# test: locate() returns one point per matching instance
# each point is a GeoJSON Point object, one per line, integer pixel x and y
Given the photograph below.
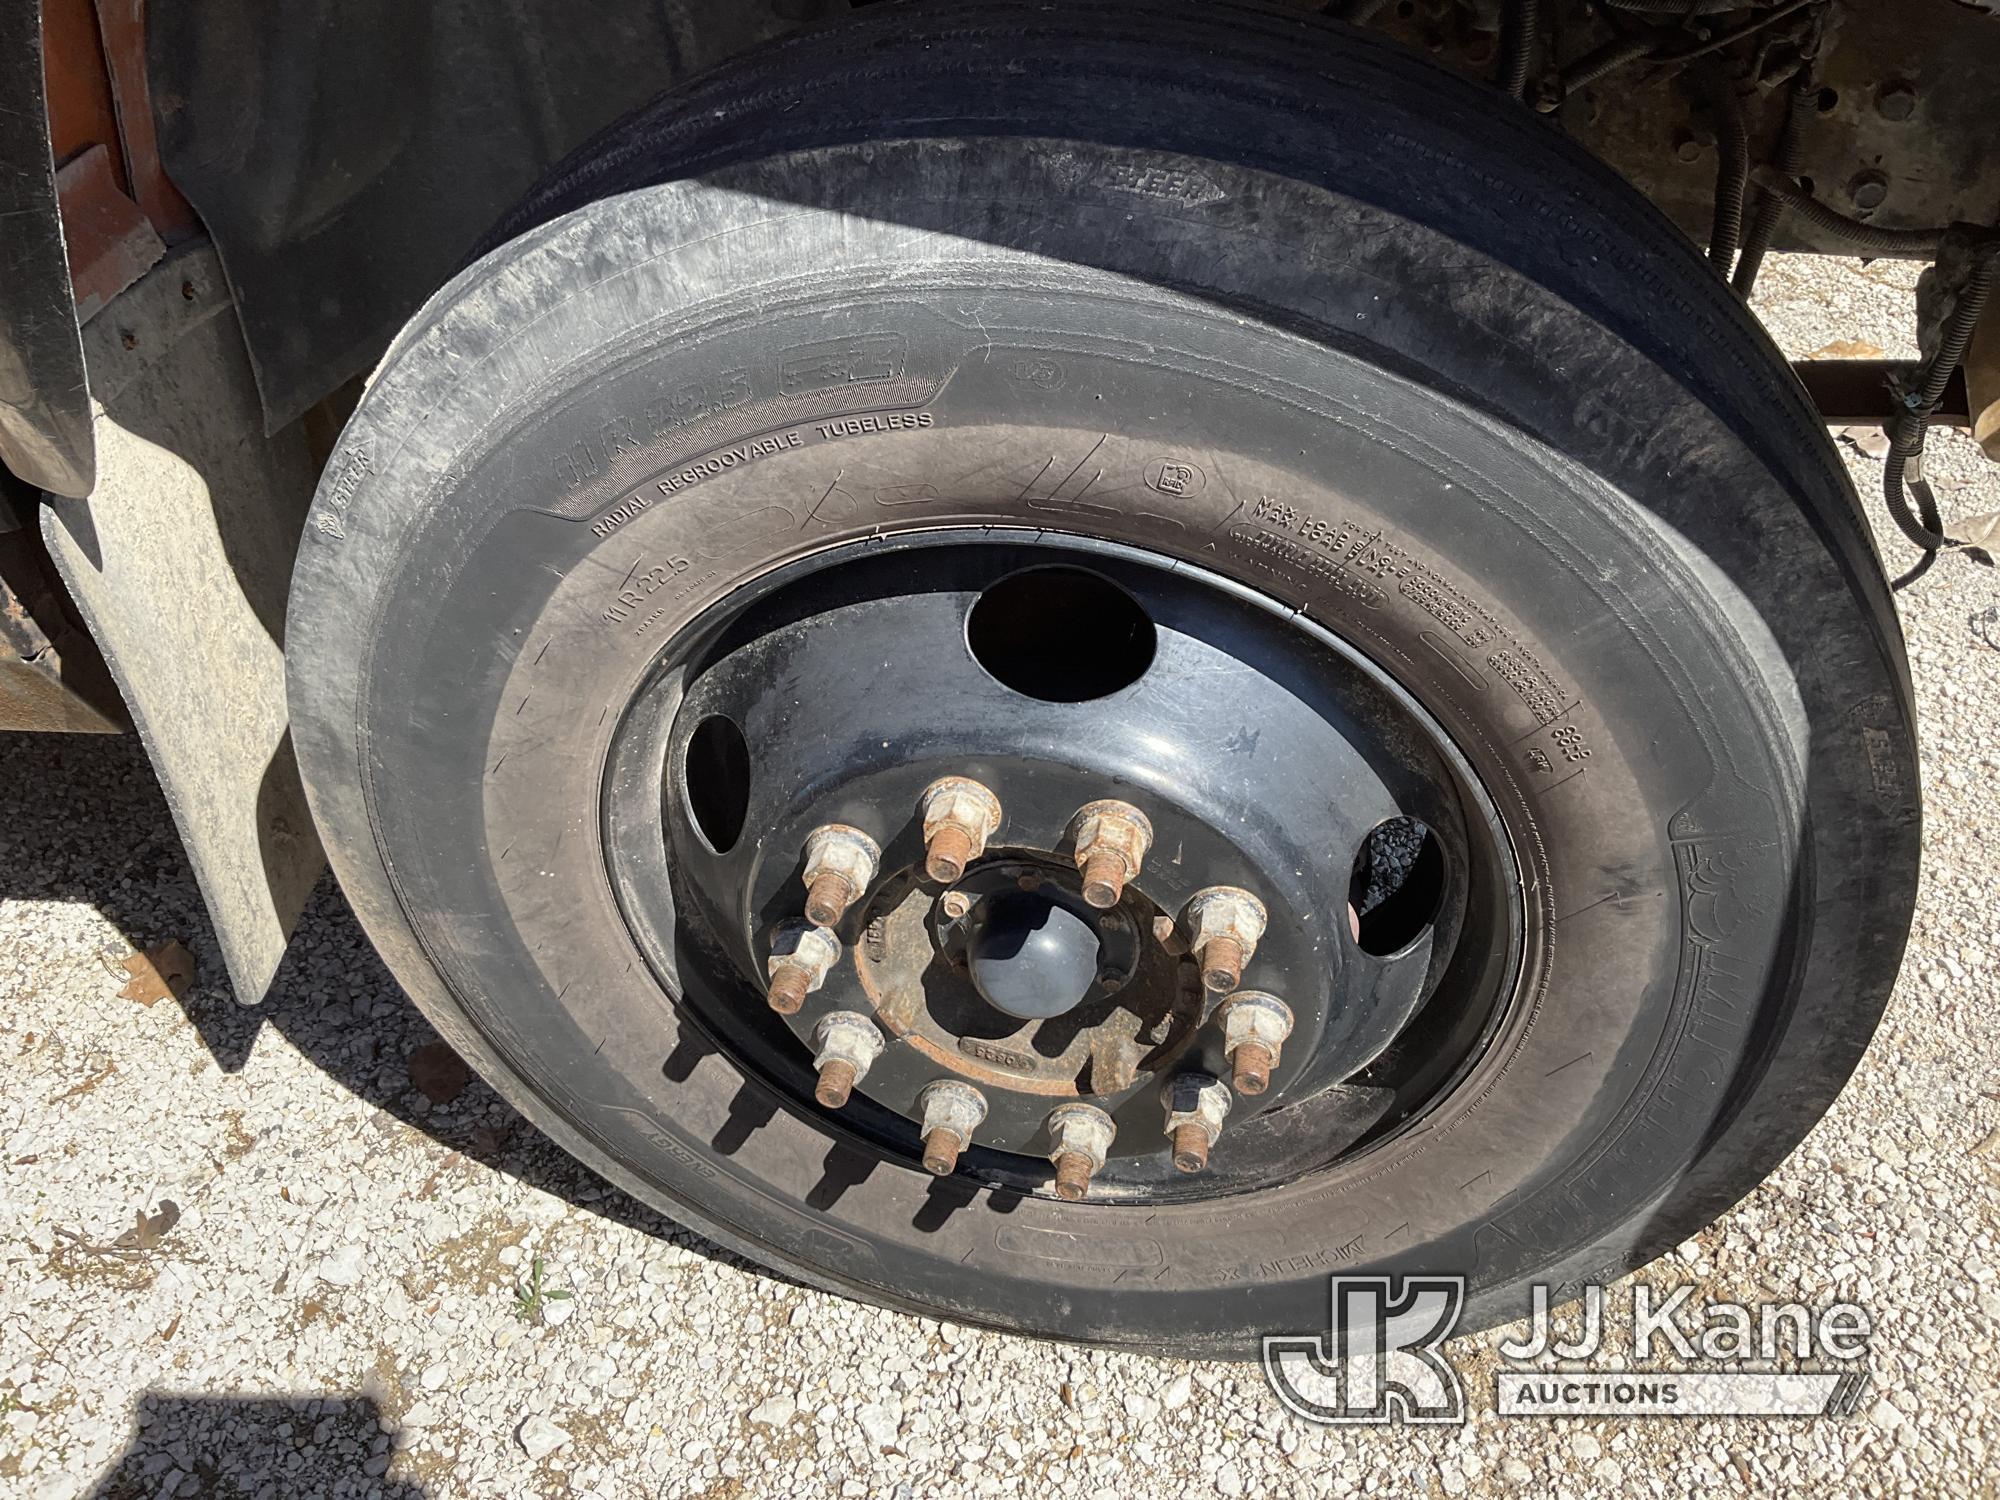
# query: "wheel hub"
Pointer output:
{"type": "Point", "coordinates": [1030, 954]}
{"type": "Point", "coordinates": [917, 964]}
{"type": "Point", "coordinates": [1088, 897]}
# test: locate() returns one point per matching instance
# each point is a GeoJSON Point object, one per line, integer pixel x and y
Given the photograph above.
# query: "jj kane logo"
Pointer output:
{"type": "Point", "coordinates": [1379, 1360]}
{"type": "Point", "coordinates": [1382, 1357]}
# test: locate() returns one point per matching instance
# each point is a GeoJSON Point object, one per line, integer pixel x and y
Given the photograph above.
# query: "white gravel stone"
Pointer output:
{"type": "Point", "coordinates": [879, 1424]}
{"type": "Point", "coordinates": [539, 1437]}
{"type": "Point", "coordinates": [344, 1267]}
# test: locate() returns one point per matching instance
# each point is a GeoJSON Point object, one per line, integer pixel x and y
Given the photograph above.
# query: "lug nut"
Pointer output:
{"type": "Point", "coordinates": [956, 904]}
{"type": "Point", "coordinates": [1224, 923]}
{"type": "Point", "coordinates": [1111, 843]}
{"type": "Point", "coordinates": [840, 861]}
{"type": "Point", "coordinates": [951, 1111]}
{"type": "Point", "coordinates": [798, 965]}
{"type": "Point", "coordinates": [1082, 1134]}
{"type": "Point", "coordinates": [1196, 1106]}
{"type": "Point", "coordinates": [959, 816]}
{"type": "Point", "coordinates": [1254, 1028]}
{"type": "Point", "coordinates": [846, 1043]}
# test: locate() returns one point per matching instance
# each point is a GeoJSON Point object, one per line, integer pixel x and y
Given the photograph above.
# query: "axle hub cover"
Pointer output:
{"type": "Point", "coordinates": [1030, 956]}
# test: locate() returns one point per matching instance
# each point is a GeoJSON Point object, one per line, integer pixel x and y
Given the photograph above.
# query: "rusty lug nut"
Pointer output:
{"type": "Point", "coordinates": [956, 904]}
{"type": "Point", "coordinates": [1196, 1107]}
{"type": "Point", "coordinates": [1190, 1148]}
{"type": "Point", "coordinates": [1073, 1171]}
{"type": "Point", "coordinates": [840, 861]}
{"type": "Point", "coordinates": [1111, 843]}
{"type": "Point", "coordinates": [1250, 1067]}
{"type": "Point", "coordinates": [798, 965]}
{"type": "Point", "coordinates": [951, 1111]}
{"type": "Point", "coordinates": [836, 1083]}
{"type": "Point", "coordinates": [1254, 1028]}
{"type": "Point", "coordinates": [1224, 923]}
{"type": "Point", "coordinates": [845, 1044]}
{"type": "Point", "coordinates": [1222, 963]}
{"type": "Point", "coordinates": [959, 817]}
{"type": "Point", "coordinates": [1081, 1135]}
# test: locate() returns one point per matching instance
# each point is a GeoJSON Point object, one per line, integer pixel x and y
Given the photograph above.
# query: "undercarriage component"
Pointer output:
{"type": "Point", "coordinates": [1885, 108]}
{"type": "Point", "coordinates": [1952, 299]}
{"type": "Point", "coordinates": [1863, 392]}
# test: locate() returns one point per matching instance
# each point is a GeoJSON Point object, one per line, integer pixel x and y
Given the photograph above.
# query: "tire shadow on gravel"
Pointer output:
{"type": "Point", "coordinates": [255, 1446]}
{"type": "Point", "coordinates": [82, 820]}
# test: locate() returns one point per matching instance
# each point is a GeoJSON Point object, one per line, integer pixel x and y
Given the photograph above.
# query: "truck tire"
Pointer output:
{"type": "Point", "coordinates": [1186, 404]}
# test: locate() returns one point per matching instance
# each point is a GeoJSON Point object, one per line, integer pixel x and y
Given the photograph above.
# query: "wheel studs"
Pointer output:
{"type": "Point", "coordinates": [951, 1111]}
{"type": "Point", "coordinates": [959, 817]}
{"type": "Point", "coordinates": [840, 861]}
{"type": "Point", "coordinates": [1111, 843]}
{"type": "Point", "coordinates": [1081, 1135]}
{"type": "Point", "coordinates": [1254, 1028]}
{"type": "Point", "coordinates": [845, 1045]}
{"type": "Point", "coordinates": [1224, 924]}
{"type": "Point", "coordinates": [798, 965]}
{"type": "Point", "coordinates": [1220, 927]}
{"type": "Point", "coordinates": [1196, 1106]}
{"type": "Point", "coordinates": [1251, 1064]}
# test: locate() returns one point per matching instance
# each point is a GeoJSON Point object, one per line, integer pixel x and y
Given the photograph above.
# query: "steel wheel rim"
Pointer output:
{"type": "Point", "coordinates": [704, 947]}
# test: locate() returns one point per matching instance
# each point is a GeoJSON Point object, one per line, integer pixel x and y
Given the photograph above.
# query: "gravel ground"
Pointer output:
{"type": "Point", "coordinates": [345, 1303]}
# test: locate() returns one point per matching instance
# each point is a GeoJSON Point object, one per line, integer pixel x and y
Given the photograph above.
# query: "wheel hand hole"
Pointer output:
{"type": "Point", "coordinates": [1062, 635]}
{"type": "Point", "coordinates": [717, 781]}
{"type": "Point", "coordinates": [1397, 885]}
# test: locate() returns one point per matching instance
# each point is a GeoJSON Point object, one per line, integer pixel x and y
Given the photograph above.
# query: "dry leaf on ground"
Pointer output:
{"type": "Point", "coordinates": [162, 970]}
